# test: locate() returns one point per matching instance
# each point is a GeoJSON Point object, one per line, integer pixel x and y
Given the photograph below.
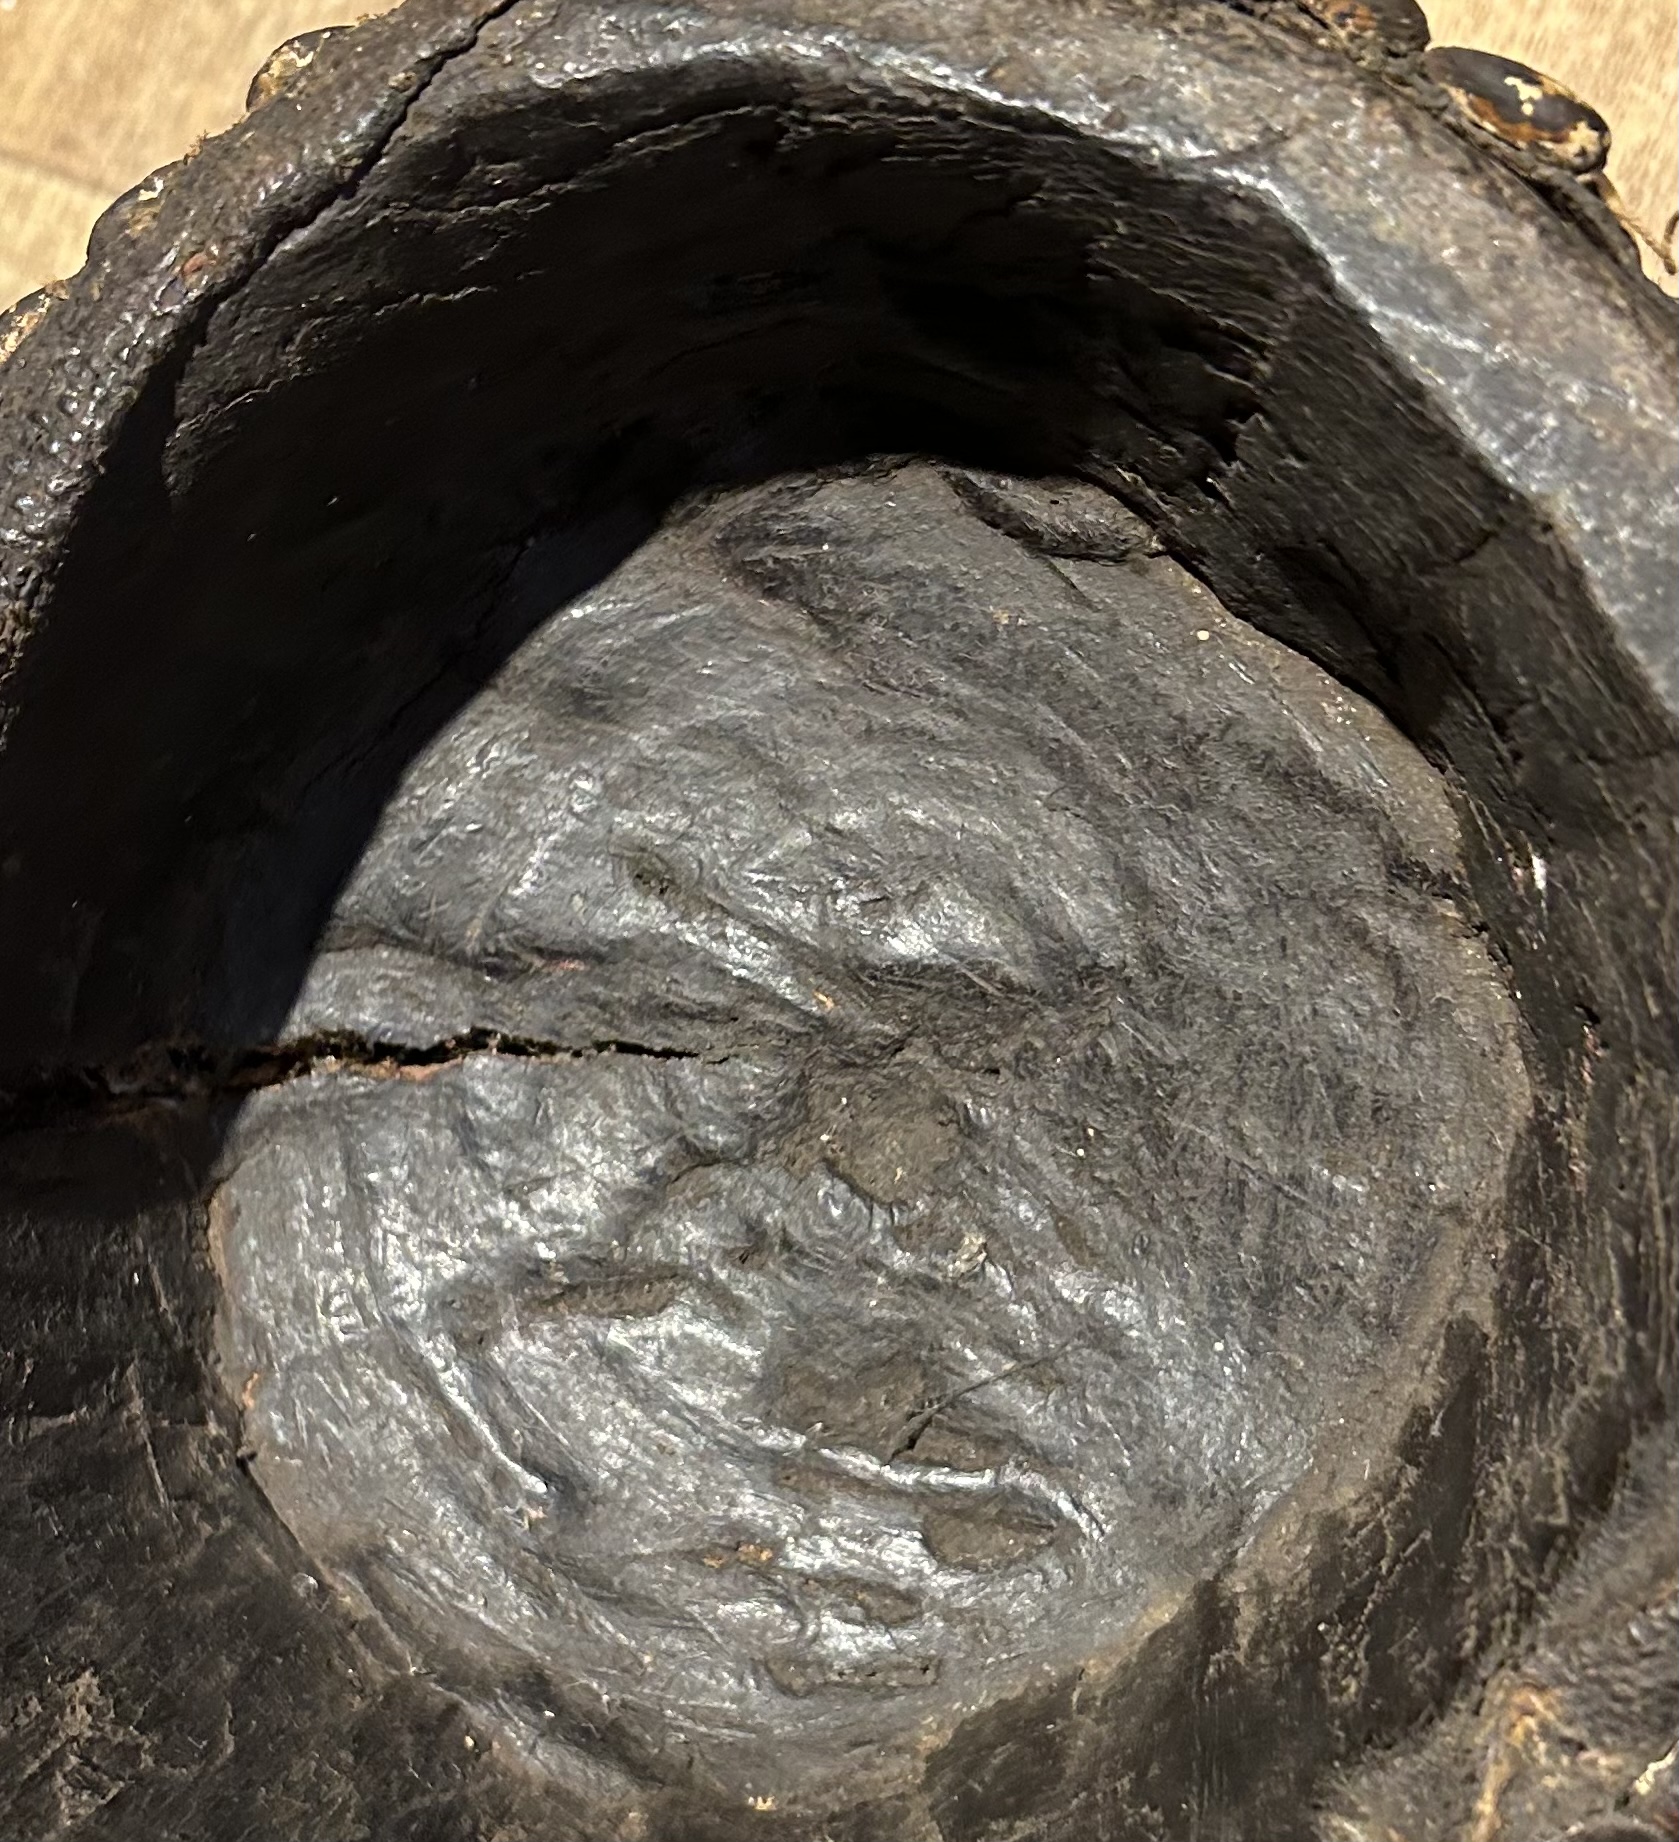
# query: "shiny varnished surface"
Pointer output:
{"type": "Point", "coordinates": [991, 1051]}
{"type": "Point", "coordinates": [428, 347]}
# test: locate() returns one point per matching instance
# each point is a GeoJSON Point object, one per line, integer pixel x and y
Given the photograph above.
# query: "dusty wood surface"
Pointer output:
{"type": "Point", "coordinates": [98, 93]}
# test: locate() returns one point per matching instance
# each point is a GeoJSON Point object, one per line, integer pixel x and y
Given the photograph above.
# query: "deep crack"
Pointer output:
{"type": "Point", "coordinates": [176, 1072]}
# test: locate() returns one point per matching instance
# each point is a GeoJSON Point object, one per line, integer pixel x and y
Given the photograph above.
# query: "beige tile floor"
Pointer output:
{"type": "Point", "coordinates": [95, 94]}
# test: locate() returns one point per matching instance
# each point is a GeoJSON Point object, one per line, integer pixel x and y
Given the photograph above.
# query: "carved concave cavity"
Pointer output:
{"type": "Point", "coordinates": [982, 1053]}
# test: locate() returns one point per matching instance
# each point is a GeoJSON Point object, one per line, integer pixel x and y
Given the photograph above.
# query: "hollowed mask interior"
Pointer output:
{"type": "Point", "coordinates": [772, 810]}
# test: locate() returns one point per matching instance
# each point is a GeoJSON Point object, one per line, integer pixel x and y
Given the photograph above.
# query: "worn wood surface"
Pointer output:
{"type": "Point", "coordinates": [98, 93]}
{"type": "Point", "coordinates": [95, 94]}
{"type": "Point", "coordinates": [213, 666]}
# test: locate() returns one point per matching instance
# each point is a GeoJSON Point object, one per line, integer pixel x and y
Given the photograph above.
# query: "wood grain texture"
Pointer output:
{"type": "Point", "coordinates": [98, 93]}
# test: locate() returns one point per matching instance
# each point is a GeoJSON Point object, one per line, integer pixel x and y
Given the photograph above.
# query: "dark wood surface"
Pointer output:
{"type": "Point", "coordinates": [98, 93]}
